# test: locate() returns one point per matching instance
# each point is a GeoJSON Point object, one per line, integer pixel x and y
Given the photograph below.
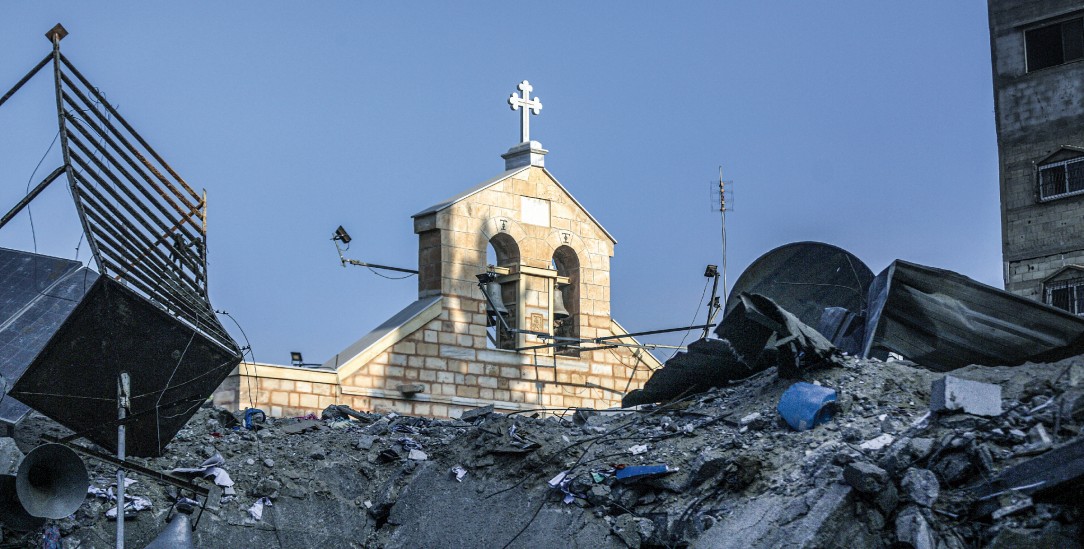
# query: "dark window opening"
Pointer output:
{"type": "Point", "coordinates": [1061, 179]}
{"type": "Point", "coordinates": [1054, 44]}
{"type": "Point", "coordinates": [1067, 295]}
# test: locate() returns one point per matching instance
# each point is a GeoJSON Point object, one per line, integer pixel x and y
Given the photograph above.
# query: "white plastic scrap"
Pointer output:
{"type": "Point", "coordinates": [638, 449]}
{"type": "Point", "coordinates": [561, 482]}
{"type": "Point", "coordinates": [257, 508]}
{"type": "Point", "coordinates": [132, 503]}
{"type": "Point", "coordinates": [459, 473]}
{"type": "Point", "coordinates": [556, 481]}
{"type": "Point", "coordinates": [211, 469]}
{"type": "Point", "coordinates": [877, 443]}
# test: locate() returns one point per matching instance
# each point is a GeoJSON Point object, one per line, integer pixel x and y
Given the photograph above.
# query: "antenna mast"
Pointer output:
{"type": "Point", "coordinates": [722, 216]}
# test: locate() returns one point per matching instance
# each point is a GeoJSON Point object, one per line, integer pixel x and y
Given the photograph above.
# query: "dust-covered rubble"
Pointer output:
{"type": "Point", "coordinates": [714, 469]}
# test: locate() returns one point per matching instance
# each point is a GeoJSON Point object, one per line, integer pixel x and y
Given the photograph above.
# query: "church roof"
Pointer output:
{"type": "Point", "coordinates": [501, 177]}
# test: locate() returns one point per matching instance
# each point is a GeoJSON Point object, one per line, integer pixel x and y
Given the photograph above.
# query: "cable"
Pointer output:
{"type": "Point", "coordinates": [34, 233]}
{"type": "Point", "coordinates": [389, 277]}
{"type": "Point", "coordinates": [697, 313]}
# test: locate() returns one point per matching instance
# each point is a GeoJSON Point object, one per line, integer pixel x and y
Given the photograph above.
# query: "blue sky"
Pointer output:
{"type": "Point", "coordinates": [867, 125]}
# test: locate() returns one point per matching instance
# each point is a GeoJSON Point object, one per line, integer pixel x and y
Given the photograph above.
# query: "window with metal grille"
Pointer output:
{"type": "Point", "coordinates": [1060, 179]}
{"type": "Point", "coordinates": [1067, 295]}
{"type": "Point", "coordinates": [1054, 44]}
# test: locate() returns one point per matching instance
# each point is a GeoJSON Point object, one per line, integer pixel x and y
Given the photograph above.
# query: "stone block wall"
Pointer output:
{"type": "Point", "coordinates": [449, 359]}
{"type": "Point", "coordinates": [280, 391]}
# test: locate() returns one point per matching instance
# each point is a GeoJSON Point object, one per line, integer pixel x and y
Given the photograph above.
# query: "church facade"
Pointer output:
{"type": "Point", "coordinates": [513, 310]}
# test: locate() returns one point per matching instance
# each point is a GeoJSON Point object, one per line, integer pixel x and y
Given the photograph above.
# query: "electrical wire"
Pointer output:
{"type": "Point", "coordinates": [695, 314]}
{"type": "Point", "coordinates": [389, 277]}
{"type": "Point", "coordinates": [33, 233]}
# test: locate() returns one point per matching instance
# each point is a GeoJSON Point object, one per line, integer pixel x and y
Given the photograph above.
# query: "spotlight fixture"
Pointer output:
{"type": "Point", "coordinates": [711, 271]}
{"type": "Point", "coordinates": [295, 358]}
{"type": "Point", "coordinates": [341, 235]}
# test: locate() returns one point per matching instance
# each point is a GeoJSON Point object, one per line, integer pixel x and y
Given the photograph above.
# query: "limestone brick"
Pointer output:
{"type": "Point", "coordinates": [466, 391]}
{"type": "Point", "coordinates": [308, 400]}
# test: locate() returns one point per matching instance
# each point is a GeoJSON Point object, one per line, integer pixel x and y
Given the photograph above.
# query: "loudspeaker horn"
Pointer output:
{"type": "Point", "coordinates": [176, 535]}
{"type": "Point", "coordinates": [12, 513]}
{"type": "Point", "coordinates": [52, 481]}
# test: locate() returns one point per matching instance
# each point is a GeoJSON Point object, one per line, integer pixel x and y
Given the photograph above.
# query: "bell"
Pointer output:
{"type": "Point", "coordinates": [494, 305]}
{"type": "Point", "coordinates": [559, 310]}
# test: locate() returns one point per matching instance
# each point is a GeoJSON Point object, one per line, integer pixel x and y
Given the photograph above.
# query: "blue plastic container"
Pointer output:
{"type": "Point", "coordinates": [805, 405]}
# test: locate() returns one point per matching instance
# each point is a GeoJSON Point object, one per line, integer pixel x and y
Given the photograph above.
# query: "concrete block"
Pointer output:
{"type": "Point", "coordinates": [951, 393]}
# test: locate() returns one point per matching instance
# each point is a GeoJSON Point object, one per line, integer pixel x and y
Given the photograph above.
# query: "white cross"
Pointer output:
{"type": "Point", "coordinates": [529, 106]}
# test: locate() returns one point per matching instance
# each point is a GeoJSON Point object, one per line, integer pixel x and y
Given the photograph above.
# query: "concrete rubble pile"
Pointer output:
{"type": "Point", "coordinates": [712, 469]}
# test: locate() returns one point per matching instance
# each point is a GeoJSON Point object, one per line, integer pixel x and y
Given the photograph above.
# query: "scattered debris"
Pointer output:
{"type": "Point", "coordinates": [256, 510]}
{"type": "Point", "coordinates": [459, 472]}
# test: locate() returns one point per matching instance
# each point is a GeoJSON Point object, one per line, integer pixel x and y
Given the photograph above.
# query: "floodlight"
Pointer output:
{"type": "Point", "coordinates": [711, 271]}
{"type": "Point", "coordinates": [341, 234]}
{"type": "Point", "coordinates": [295, 358]}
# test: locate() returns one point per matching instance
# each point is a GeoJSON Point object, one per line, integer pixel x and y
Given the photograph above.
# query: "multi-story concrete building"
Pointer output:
{"type": "Point", "coordinates": [1038, 68]}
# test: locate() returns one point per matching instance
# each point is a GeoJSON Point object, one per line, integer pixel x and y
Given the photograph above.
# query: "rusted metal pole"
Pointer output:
{"type": "Point", "coordinates": [25, 79]}
{"type": "Point", "coordinates": [31, 196]}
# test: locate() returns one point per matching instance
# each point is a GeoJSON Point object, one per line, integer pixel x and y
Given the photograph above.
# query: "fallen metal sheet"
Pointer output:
{"type": "Point", "coordinates": [805, 278]}
{"type": "Point", "coordinates": [943, 320]}
{"type": "Point", "coordinates": [709, 363]}
{"type": "Point", "coordinates": [791, 344]}
{"type": "Point", "coordinates": [174, 367]}
{"type": "Point", "coordinates": [37, 293]}
{"type": "Point", "coordinates": [843, 328]}
{"type": "Point", "coordinates": [755, 335]}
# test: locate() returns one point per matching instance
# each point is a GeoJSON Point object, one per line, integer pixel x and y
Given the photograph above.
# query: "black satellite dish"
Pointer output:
{"type": "Point", "coordinates": [805, 278]}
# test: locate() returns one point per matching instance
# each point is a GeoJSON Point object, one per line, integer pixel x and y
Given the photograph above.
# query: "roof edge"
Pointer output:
{"type": "Point", "coordinates": [470, 192]}
{"type": "Point", "coordinates": [392, 331]}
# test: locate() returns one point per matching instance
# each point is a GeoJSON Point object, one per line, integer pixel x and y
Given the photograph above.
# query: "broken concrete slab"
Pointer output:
{"type": "Point", "coordinates": [952, 393]}
{"type": "Point", "coordinates": [1055, 476]}
{"type": "Point", "coordinates": [769, 521]}
{"type": "Point", "coordinates": [301, 426]}
{"type": "Point", "coordinates": [920, 486]}
{"type": "Point", "coordinates": [913, 530]}
{"type": "Point", "coordinates": [430, 499]}
{"type": "Point", "coordinates": [473, 414]}
{"type": "Point", "coordinates": [866, 477]}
